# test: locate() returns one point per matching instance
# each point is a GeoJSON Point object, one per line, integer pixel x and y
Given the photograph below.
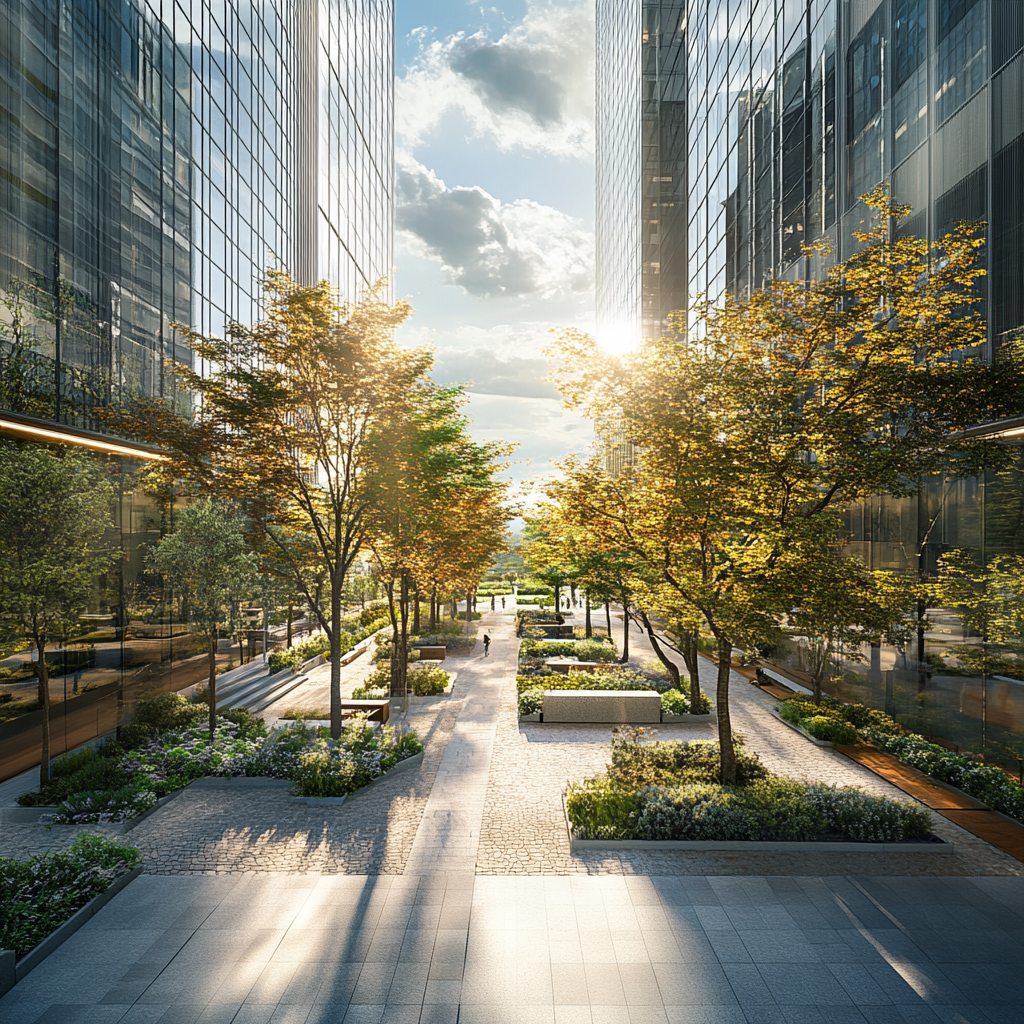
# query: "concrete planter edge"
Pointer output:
{"type": "Point", "coordinates": [56, 938]}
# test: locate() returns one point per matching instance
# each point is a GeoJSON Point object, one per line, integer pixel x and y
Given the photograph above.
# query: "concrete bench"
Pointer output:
{"type": "Point", "coordinates": [618, 707]}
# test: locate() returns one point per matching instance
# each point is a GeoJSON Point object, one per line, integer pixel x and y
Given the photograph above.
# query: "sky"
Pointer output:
{"type": "Point", "coordinates": [494, 215]}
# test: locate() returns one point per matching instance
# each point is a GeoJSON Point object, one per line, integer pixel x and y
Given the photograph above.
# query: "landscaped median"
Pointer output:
{"type": "Point", "coordinates": [666, 795]}
{"type": "Point", "coordinates": [836, 722]}
{"type": "Point", "coordinates": [168, 746]}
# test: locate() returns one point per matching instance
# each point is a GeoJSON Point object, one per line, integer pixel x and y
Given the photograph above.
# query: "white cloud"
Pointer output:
{"type": "Point", "coordinates": [491, 248]}
{"type": "Point", "coordinates": [532, 89]}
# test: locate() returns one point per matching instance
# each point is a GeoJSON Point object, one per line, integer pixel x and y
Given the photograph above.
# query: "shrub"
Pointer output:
{"type": "Point", "coordinates": [598, 808]}
{"type": "Point", "coordinates": [368, 693]}
{"type": "Point", "coordinates": [38, 895]}
{"type": "Point", "coordinates": [170, 712]}
{"type": "Point", "coordinates": [531, 702]}
{"type": "Point", "coordinates": [427, 681]}
{"type": "Point", "coordinates": [476, 615]}
{"type": "Point", "coordinates": [112, 805]}
{"type": "Point", "coordinates": [551, 680]}
{"type": "Point", "coordinates": [867, 818]}
{"type": "Point", "coordinates": [361, 755]}
{"type": "Point", "coordinates": [637, 764]}
{"type": "Point", "coordinates": [676, 702]}
{"type": "Point", "coordinates": [82, 770]}
{"type": "Point", "coordinates": [823, 727]}
{"type": "Point", "coordinates": [584, 650]}
{"type": "Point", "coordinates": [985, 782]}
{"type": "Point", "coordinates": [248, 725]}
{"type": "Point", "coordinates": [692, 812]}
{"type": "Point", "coordinates": [379, 678]}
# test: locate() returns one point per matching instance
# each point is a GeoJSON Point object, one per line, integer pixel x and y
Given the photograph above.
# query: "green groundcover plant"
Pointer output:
{"type": "Point", "coordinates": [582, 650]}
{"type": "Point", "coordinates": [355, 632]}
{"type": "Point", "coordinates": [38, 895]}
{"type": "Point", "coordinates": [984, 782]}
{"type": "Point", "coordinates": [669, 790]}
{"type": "Point", "coordinates": [114, 784]}
{"type": "Point", "coordinates": [322, 767]}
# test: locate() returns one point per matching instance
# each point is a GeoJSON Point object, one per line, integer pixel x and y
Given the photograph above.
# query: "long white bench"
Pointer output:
{"type": "Point", "coordinates": [617, 707]}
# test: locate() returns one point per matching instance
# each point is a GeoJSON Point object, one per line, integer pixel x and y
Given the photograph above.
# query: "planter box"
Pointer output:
{"type": "Point", "coordinates": [803, 732]}
{"type": "Point", "coordinates": [336, 801]}
{"type": "Point", "coordinates": [748, 846]}
{"type": "Point", "coordinates": [34, 958]}
{"type": "Point", "coordinates": [602, 707]}
{"type": "Point", "coordinates": [535, 717]}
{"type": "Point", "coordinates": [709, 719]}
{"type": "Point", "coordinates": [704, 845]}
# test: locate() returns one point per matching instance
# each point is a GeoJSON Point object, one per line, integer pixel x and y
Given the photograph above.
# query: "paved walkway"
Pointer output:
{"type": "Point", "coordinates": [436, 928]}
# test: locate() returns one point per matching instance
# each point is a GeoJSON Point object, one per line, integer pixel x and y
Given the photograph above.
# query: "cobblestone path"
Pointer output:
{"type": "Point", "coordinates": [524, 829]}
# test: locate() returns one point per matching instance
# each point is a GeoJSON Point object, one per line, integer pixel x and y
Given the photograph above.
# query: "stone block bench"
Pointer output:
{"type": "Point", "coordinates": [600, 707]}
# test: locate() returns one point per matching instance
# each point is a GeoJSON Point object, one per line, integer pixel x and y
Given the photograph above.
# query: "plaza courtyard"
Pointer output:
{"type": "Point", "coordinates": [450, 892]}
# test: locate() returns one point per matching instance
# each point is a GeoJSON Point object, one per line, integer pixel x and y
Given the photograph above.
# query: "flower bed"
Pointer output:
{"type": "Point", "coordinates": [320, 644]}
{"type": "Point", "coordinates": [987, 783]}
{"type": "Point", "coordinates": [669, 791]}
{"type": "Point", "coordinates": [115, 784]}
{"type": "Point", "coordinates": [38, 895]}
{"type": "Point", "coordinates": [584, 650]}
{"type": "Point", "coordinates": [321, 767]}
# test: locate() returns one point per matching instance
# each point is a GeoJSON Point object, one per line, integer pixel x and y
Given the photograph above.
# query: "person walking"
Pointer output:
{"type": "Point", "coordinates": [487, 644]}
{"type": "Point", "coordinates": [503, 603]}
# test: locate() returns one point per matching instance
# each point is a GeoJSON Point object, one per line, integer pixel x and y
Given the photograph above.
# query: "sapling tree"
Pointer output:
{"type": "Point", "coordinates": [206, 564]}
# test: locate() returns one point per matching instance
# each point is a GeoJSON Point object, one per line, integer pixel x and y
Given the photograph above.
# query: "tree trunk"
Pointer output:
{"type": "Point", "coordinates": [469, 611]}
{"type": "Point", "coordinates": [334, 636]}
{"type": "Point", "coordinates": [403, 651]}
{"type": "Point", "coordinates": [211, 686]}
{"type": "Point", "coordinates": [608, 617]}
{"type": "Point", "coordinates": [625, 631]}
{"type": "Point", "coordinates": [44, 693]}
{"type": "Point", "coordinates": [289, 633]}
{"type": "Point", "coordinates": [416, 611]}
{"type": "Point", "coordinates": [558, 597]}
{"type": "Point", "coordinates": [589, 626]}
{"type": "Point", "coordinates": [725, 744]}
{"type": "Point", "coordinates": [241, 650]}
{"type": "Point", "coordinates": [395, 686]}
{"type": "Point", "coordinates": [433, 607]}
{"type": "Point", "coordinates": [572, 594]}
{"type": "Point", "coordinates": [691, 658]}
{"type": "Point", "coordinates": [670, 666]}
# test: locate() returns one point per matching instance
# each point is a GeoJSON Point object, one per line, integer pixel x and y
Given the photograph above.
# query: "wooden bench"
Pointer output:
{"type": "Point", "coordinates": [375, 710]}
{"type": "Point", "coordinates": [432, 653]}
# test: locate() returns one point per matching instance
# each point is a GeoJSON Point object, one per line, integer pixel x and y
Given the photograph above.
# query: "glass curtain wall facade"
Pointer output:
{"type": "Point", "coordinates": [796, 108]}
{"type": "Point", "coordinates": [641, 164]}
{"type": "Point", "coordinates": [155, 158]}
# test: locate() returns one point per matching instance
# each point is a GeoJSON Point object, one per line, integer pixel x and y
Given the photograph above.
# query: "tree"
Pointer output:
{"type": "Point", "coordinates": [53, 515]}
{"type": "Point", "coordinates": [205, 563]}
{"type": "Point", "coordinates": [282, 428]}
{"type": "Point", "coordinates": [755, 425]}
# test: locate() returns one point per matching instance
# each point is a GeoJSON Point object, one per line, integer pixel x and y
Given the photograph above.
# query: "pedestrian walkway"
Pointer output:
{"type": "Point", "coordinates": [449, 832]}
{"type": "Point", "coordinates": [447, 937]}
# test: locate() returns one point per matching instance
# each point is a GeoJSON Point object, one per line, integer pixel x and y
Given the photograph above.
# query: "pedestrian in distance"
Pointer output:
{"type": "Point", "coordinates": [487, 644]}
{"type": "Point", "coordinates": [503, 602]}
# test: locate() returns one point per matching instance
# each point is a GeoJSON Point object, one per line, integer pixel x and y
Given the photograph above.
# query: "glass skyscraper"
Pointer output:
{"type": "Point", "coordinates": [155, 157]}
{"type": "Point", "coordinates": [641, 167]}
{"type": "Point", "coordinates": [798, 107]}
{"type": "Point", "coordinates": [795, 109]}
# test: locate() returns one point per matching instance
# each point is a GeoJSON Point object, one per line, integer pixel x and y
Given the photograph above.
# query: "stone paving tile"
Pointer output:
{"type": "Point", "coordinates": [524, 830]}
